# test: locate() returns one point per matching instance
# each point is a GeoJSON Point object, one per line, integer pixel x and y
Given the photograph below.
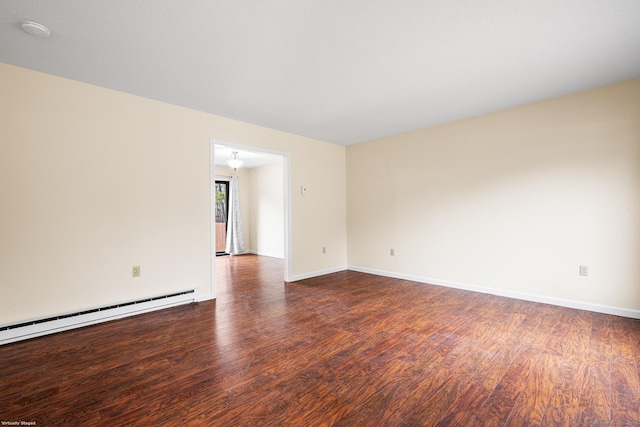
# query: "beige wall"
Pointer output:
{"type": "Point", "coordinates": [266, 215]}
{"type": "Point", "coordinates": [320, 210]}
{"type": "Point", "coordinates": [94, 181]}
{"type": "Point", "coordinates": [514, 201]}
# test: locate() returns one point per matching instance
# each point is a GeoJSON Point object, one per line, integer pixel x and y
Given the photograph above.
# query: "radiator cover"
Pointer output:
{"type": "Point", "coordinates": [50, 325]}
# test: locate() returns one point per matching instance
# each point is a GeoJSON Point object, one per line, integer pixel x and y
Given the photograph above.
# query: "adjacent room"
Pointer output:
{"type": "Point", "coordinates": [310, 213]}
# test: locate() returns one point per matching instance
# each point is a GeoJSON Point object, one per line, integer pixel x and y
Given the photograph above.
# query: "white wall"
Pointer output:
{"type": "Point", "coordinates": [94, 181]}
{"type": "Point", "coordinates": [267, 210]}
{"type": "Point", "coordinates": [513, 201]}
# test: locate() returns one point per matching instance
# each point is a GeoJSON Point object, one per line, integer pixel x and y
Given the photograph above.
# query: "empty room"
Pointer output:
{"type": "Point", "coordinates": [357, 213]}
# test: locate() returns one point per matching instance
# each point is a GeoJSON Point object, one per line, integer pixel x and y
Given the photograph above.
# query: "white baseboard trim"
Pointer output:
{"type": "Point", "coordinates": [297, 277]}
{"type": "Point", "coordinates": [205, 297]}
{"type": "Point", "coordinates": [252, 252]}
{"type": "Point", "coordinates": [580, 305]}
{"type": "Point", "coordinates": [269, 255]}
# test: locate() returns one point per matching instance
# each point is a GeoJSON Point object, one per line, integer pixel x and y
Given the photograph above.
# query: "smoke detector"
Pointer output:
{"type": "Point", "coordinates": [36, 29]}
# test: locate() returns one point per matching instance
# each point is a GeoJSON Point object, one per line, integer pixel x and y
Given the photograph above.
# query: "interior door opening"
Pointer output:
{"type": "Point", "coordinates": [252, 157]}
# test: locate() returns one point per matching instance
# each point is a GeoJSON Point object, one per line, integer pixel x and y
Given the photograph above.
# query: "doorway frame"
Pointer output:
{"type": "Point", "coordinates": [286, 188]}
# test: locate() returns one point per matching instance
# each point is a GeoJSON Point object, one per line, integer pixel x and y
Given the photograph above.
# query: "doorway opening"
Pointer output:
{"type": "Point", "coordinates": [220, 152]}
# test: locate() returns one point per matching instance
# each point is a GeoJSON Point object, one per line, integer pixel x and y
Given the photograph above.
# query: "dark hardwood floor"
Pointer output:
{"type": "Point", "coordinates": [346, 349]}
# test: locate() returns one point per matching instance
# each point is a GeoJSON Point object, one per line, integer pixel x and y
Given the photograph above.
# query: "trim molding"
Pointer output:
{"type": "Point", "coordinates": [316, 274]}
{"type": "Point", "coordinates": [580, 305]}
{"type": "Point", "coordinates": [253, 252]}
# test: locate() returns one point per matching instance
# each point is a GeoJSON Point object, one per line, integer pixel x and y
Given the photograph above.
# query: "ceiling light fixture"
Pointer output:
{"type": "Point", "coordinates": [234, 161]}
{"type": "Point", "coordinates": [36, 29]}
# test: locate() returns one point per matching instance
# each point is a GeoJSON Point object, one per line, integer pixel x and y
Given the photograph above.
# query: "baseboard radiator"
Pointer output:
{"type": "Point", "coordinates": [51, 325]}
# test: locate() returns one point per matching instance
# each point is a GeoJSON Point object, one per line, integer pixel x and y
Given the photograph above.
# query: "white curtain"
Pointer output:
{"type": "Point", "coordinates": [235, 238]}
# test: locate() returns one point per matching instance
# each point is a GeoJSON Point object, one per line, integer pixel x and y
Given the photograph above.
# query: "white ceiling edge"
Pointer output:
{"type": "Point", "coordinates": [341, 72]}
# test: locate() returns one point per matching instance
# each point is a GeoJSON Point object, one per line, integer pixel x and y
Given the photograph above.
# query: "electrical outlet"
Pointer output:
{"type": "Point", "coordinates": [392, 252]}
{"type": "Point", "coordinates": [136, 271]}
{"type": "Point", "coordinates": [584, 270]}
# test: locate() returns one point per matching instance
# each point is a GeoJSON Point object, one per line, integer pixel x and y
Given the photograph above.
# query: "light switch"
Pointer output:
{"type": "Point", "coordinates": [584, 270]}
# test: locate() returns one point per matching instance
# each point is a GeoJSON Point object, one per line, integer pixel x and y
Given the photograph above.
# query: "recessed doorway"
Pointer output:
{"type": "Point", "coordinates": [265, 178]}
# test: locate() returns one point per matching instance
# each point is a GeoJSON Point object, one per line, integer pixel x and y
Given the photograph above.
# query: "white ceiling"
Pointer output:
{"type": "Point", "coordinates": [342, 71]}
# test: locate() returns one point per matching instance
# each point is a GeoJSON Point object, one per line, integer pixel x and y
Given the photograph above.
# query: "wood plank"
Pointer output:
{"type": "Point", "coordinates": [562, 409]}
{"type": "Point", "coordinates": [343, 349]}
{"type": "Point", "coordinates": [492, 337]}
{"type": "Point", "coordinates": [499, 405]}
{"type": "Point", "coordinates": [625, 390]}
{"type": "Point", "coordinates": [595, 400]}
{"type": "Point", "coordinates": [532, 402]}
{"type": "Point", "coordinates": [572, 346]}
